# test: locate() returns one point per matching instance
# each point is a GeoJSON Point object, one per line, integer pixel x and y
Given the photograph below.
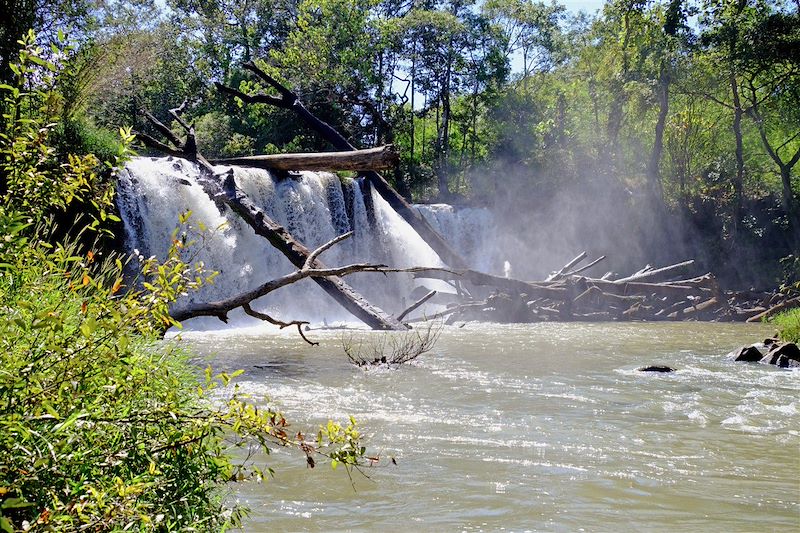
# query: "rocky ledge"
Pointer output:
{"type": "Point", "coordinates": [769, 352]}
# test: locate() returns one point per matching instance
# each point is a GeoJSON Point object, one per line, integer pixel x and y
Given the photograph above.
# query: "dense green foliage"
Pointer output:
{"type": "Point", "coordinates": [671, 123]}
{"type": "Point", "coordinates": [103, 426]}
{"type": "Point", "coordinates": [788, 324]}
{"type": "Point", "coordinates": [664, 127]}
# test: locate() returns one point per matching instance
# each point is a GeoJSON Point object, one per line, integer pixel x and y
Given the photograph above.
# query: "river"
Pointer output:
{"type": "Point", "coordinates": [536, 427]}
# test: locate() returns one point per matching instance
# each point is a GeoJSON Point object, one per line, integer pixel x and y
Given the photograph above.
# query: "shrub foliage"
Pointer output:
{"type": "Point", "coordinates": [103, 425]}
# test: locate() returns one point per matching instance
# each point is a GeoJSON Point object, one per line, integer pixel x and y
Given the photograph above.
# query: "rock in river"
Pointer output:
{"type": "Point", "coordinates": [782, 354]}
{"type": "Point", "coordinates": [656, 368]}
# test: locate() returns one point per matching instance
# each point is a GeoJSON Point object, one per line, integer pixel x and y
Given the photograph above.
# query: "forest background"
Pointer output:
{"type": "Point", "coordinates": [650, 131]}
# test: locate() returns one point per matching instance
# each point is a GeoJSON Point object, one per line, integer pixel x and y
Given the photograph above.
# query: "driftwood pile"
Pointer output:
{"type": "Point", "coordinates": [650, 294]}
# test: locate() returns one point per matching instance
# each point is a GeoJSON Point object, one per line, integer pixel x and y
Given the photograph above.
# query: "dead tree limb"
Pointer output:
{"type": "Point", "coordinates": [330, 244]}
{"type": "Point", "coordinates": [289, 100]}
{"type": "Point", "coordinates": [379, 158]}
{"type": "Point", "coordinates": [533, 290]}
{"type": "Point", "coordinates": [280, 323]}
{"type": "Point", "coordinates": [224, 191]}
{"type": "Point", "coordinates": [220, 309]}
{"type": "Point", "coordinates": [416, 305]}
{"type": "Point", "coordinates": [584, 268]}
{"type": "Point", "coordinates": [561, 273]}
{"type": "Point", "coordinates": [701, 307]}
{"type": "Point", "coordinates": [634, 287]}
{"type": "Point", "coordinates": [787, 304]}
{"type": "Point", "coordinates": [656, 273]}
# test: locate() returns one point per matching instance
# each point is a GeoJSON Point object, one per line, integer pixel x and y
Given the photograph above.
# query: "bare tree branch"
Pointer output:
{"type": "Point", "coordinates": [176, 113]}
{"type": "Point", "coordinates": [164, 130]}
{"type": "Point", "coordinates": [222, 189]}
{"type": "Point", "coordinates": [333, 242]}
{"type": "Point", "coordinates": [155, 144]}
{"type": "Point", "coordinates": [280, 323]}
{"type": "Point", "coordinates": [252, 99]}
{"type": "Point", "coordinates": [586, 267]}
{"type": "Point", "coordinates": [416, 304]}
{"type": "Point", "coordinates": [288, 96]}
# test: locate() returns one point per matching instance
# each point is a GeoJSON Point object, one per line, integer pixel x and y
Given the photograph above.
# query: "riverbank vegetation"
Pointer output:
{"type": "Point", "coordinates": [788, 324]}
{"type": "Point", "coordinates": [103, 425]}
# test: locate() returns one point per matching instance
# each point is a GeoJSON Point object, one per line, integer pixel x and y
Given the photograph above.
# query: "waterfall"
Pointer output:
{"type": "Point", "coordinates": [470, 230]}
{"type": "Point", "coordinates": [315, 208]}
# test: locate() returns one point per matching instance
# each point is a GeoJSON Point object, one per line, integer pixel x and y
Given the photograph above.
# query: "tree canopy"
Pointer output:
{"type": "Point", "coordinates": [684, 110]}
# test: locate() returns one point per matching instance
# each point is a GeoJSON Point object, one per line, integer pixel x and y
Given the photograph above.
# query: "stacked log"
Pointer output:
{"type": "Point", "coordinates": [651, 294]}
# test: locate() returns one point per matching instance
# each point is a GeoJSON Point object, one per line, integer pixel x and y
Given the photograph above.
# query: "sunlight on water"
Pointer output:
{"type": "Point", "coordinates": [541, 427]}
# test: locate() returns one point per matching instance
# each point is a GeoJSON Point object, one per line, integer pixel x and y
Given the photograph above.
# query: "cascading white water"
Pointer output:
{"type": "Point", "coordinates": [314, 207]}
{"type": "Point", "coordinates": [470, 230]}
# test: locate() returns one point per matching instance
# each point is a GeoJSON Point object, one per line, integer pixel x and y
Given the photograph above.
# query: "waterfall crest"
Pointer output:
{"type": "Point", "coordinates": [315, 208]}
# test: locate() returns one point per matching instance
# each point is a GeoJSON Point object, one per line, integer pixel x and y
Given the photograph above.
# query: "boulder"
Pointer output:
{"type": "Point", "coordinates": [655, 368]}
{"type": "Point", "coordinates": [770, 352]}
{"type": "Point", "coordinates": [785, 362]}
{"type": "Point", "coordinates": [750, 354]}
{"type": "Point", "coordinates": [787, 349]}
{"type": "Point", "coordinates": [786, 355]}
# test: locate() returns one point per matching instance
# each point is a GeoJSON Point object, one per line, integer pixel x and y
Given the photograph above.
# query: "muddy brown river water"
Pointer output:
{"type": "Point", "coordinates": [539, 427]}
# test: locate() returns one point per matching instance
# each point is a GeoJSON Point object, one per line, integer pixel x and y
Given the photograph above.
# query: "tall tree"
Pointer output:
{"type": "Point", "coordinates": [772, 92]}
{"type": "Point", "coordinates": [723, 24]}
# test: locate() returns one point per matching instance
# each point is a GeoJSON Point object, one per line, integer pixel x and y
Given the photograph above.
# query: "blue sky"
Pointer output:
{"type": "Point", "coordinates": [589, 6]}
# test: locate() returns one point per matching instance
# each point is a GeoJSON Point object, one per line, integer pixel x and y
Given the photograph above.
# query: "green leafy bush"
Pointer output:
{"type": "Point", "coordinates": [79, 136]}
{"type": "Point", "coordinates": [34, 181]}
{"type": "Point", "coordinates": [788, 324]}
{"type": "Point", "coordinates": [103, 425]}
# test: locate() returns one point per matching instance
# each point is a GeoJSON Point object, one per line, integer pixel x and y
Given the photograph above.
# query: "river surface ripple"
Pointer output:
{"type": "Point", "coordinates": [539, 427]}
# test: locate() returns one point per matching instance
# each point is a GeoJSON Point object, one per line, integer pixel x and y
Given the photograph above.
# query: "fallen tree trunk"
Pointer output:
{"type": "Point", "coordinates": [289, 100]}
{"type": "Point", "coordinates": [703, 307]}
{"type": "Point", "coordinates": [379, 158]}
{"type": "Point", "coordinates": [561, 273]}
{"type": "Point", "coordinates": [226, 192]}
{"type": "Point", "coordinates": [553, 291]}
{"type": "Point", "coordinates": [633, 287]}
{"type": "Point", "coordinates": [783, 306]}
{"type": "Point", "coordinates": [658, 272]}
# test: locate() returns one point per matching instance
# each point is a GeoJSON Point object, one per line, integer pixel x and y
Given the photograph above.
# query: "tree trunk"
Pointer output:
{"type": "Point", "coordinates": [443, 135]}
{"type": "Point", "coordinates": [289, 100]}
{"type": "Point", "coordinates": [787, 196]}
{"type": "Point", "coordinates": [653, 172]}
{"type": "Point", "coordinates": [614, 124]}
{"type": "Point", "coordinates": [738, 181]}
{"type": "Point", "coordinates": [379, 158]}
{"type": "Point", "coordinates": [412, 138]}
{"type": "Point", "coordinates": [790, 205]}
